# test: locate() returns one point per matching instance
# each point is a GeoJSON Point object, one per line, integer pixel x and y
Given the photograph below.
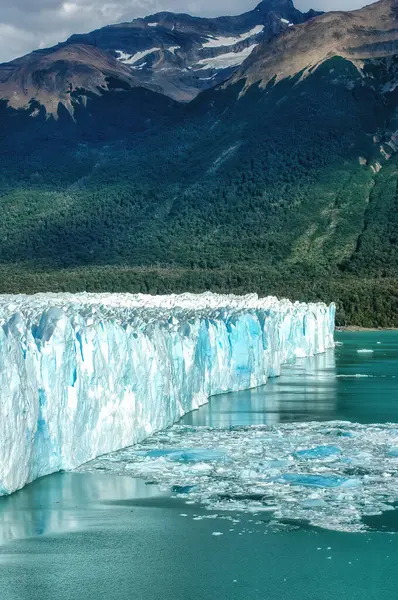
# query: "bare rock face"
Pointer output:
{"type": "Point", "coordinates": [357, 36]}
{"type": "Point", "coordinates": [178, 55]}
{"type": "Point", "coordinates": [174, 54]}
{"type": "Point", "coordinates": [51, 76]}
{"type": "Point", "coordinates": [182, 55]}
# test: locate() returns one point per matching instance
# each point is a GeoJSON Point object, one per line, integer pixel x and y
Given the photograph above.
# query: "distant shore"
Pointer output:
{"type": "Point", "coordinates": [356, 328]}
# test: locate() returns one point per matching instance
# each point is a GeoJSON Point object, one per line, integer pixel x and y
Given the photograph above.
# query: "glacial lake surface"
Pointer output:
{"type": "Point", "coordinates": [283, 492]}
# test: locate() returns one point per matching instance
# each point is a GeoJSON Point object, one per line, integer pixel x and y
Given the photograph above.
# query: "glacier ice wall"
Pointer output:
{"type": "Point", "coordinates": [84, 375]}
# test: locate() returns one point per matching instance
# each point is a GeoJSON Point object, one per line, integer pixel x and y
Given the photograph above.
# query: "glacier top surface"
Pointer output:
{"type": "Point", "coordinates": [123, 306]}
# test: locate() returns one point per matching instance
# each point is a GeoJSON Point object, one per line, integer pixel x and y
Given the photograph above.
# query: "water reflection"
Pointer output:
{"type": "Point", "coordinates": [322, 388]}
{"type": "Point", "coordinates": [306, 391]}
{"type": "Point", "coordinates": [58, 503]}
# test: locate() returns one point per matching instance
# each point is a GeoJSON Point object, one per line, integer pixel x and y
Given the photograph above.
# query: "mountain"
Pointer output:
{"type": "Point", "coordinates": [282, 179]}
{"type": "Point", "coordinates": [357, 36]}
{"type": "Point", "coordinates": [174, 54]}
{"type": "Point", "coordinates": [50, 77]}
{"type": "Point", "coordinates": [182, 55]}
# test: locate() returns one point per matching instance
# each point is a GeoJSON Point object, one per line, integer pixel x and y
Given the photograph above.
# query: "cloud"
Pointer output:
{"type": "Point", "coordinates": [29, 24]}
{"type": "Point", "coordinates": [14, 41]}
{"type": "Point", "coordinates": [331, 4]}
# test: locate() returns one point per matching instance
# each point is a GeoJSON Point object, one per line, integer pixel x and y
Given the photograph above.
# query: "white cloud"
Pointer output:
{"type": "Point", "coordinates": [14, 41]}
{"type": "Point", "coordinates": [29, 24]}
{"type": "Point", "coordinates": [70, 7]}
{"type": "Point", "coordinates": [331, 4]}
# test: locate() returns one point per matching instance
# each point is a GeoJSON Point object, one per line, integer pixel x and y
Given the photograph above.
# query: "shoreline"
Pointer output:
{"type": "Point", "coordinates": [357, 328]}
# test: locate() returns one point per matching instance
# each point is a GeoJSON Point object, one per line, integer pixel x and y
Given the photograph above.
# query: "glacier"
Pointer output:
{"type": "Point", "coordinates": [87, 374]}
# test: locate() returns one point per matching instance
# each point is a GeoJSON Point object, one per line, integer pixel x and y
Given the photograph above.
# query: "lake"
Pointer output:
{"type": "Point", "coordinates": [282, 492]}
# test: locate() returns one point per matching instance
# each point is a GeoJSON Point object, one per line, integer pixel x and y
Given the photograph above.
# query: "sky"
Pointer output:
{"type": "Point", "coordinates": [29, 24]}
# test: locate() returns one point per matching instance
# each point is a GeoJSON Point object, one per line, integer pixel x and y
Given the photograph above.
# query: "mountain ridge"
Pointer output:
{"type": "Point", "coordinates": [175, 54]}
{"type": "Point", "coordinates": [50, 77]}
{"type": "Point", "coordinates": [340, 33]}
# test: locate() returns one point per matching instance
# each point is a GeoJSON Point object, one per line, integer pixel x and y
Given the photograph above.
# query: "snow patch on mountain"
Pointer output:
{"type": "Point", "coordinates": [227, 60]}
{"type": "Point", "coordinates": [215, 42]}
{"type": "Point", "coordinates": [129, 59]}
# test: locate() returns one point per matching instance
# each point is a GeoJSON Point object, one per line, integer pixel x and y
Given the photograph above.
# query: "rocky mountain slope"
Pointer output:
{"type": "Point", "coordinates": [282, 179]}
{"type": "Point", "coordinates": [358, 36]}
{"type": "Point", "coordinates": [50, 77]}
{"type": "Point", "coordinates": [183, 55]}
{"type": "Point", "coordinates": [174, 54]}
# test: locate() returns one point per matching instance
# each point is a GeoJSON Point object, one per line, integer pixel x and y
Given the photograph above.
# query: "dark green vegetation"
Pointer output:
{"type": "Point", "coordinates": [264, 192]}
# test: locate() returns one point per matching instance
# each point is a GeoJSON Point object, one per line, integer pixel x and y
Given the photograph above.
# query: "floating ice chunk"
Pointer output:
{"type": "Point", "coordinates": [334, 492]}
{"type": "Point", "coordinates": [365, 351]}
{"type": "Point", "coordinates": [314, 503]}
{"type": "Point", "coordinates": [191, 455]}
{"type": "Point", "coordinates": [318, 481]}
{"type": "Point", "coordinates": [158, 453]}
{"type": "Point", "coordinates": [318, 452]}
{"type": "Point", "coordinates": [182, 489]}
{"type": "Point", "coordinates": [199, 455]}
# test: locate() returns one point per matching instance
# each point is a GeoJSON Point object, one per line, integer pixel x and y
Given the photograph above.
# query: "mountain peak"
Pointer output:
{"type": "Point", "coordinates": [286, 7]}
{"type": "Point", "coordinates": [367, 33]}
{"type": "Point", "coordinates": [175, 54]}
{"type": "Point", "coordinates": [274, 4]}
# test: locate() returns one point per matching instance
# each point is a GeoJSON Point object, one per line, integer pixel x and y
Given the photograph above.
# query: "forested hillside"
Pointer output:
{"type": "Point", "coordinates": [286, 188]}
{"type": "Point", "coordinates": [270, 192]}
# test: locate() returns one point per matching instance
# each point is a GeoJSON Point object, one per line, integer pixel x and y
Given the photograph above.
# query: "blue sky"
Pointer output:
{"type": "Point", "coordinates": [29, 24]}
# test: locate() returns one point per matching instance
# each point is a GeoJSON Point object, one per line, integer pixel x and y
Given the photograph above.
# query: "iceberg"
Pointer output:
{"type": "Point", "coordinates": [84, 375]}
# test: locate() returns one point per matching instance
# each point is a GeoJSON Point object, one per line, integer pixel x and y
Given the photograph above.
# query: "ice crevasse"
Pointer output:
{"type": "Point", "coordinates": [83, 375]}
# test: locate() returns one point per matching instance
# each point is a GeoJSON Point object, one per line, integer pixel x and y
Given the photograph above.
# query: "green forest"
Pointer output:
{"type": "Point", "coordinates": [273, 191]}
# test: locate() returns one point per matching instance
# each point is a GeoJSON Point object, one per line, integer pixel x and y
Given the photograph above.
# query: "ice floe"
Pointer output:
{"type": "Point", "coordinates": [330, 475]}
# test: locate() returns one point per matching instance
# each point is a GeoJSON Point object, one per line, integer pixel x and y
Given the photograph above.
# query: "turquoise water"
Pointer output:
{"type": "Point", "coordinates": [92, 536]}
{"type": "Point", "coordinates": [323, 388]}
